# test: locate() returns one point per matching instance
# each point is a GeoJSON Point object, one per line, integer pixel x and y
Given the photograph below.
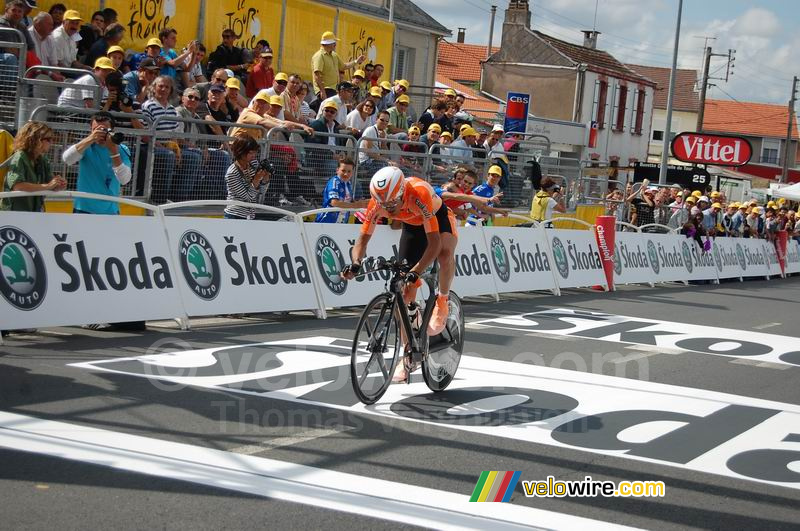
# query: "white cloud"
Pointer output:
{"type": "Point", "coordinates": [757, 22]}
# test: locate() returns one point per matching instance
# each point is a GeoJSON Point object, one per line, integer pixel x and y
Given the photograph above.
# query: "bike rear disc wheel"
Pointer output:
{"type": "Point", "coordinates": [439, 366]}
{"type": "Point", "coordinates": [375, 351]}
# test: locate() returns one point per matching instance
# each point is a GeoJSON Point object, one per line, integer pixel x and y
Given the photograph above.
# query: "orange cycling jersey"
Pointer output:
{"type": "Point", "coordinates": [419, 207]}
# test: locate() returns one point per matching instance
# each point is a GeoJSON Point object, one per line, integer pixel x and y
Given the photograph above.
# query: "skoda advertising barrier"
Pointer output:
{"type": "Point", "coordinates": [520, 259]}
{"type": "Point", "coordinates": [631, 262]}
{"type": "Point", "coordinates": [65, 269]}
{"type": "Point", "coordinates": [771, 254]}
{"type": "Point", "coordinates": [476, 264]}
{"type": "Point", "coordinates": [739, 257]}
{"type": "Point", "coordinates": [793, 257]}
{"type": "Point", "coordinates": [576, 258]}
{"type": "Point", "coordinates": [642, 258]}
{"type": "Point", "coordinates": [235, 266]}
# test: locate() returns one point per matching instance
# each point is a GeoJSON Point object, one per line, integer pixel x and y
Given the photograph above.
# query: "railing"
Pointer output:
{"type": "Point", "coordinates": [12, 64]}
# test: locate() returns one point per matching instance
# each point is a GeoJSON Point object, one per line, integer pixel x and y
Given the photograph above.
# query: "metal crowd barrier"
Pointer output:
{"type": "Point", "coordinates": [12, 64]}
{"type": "Point", "coordinates": [42, 90]}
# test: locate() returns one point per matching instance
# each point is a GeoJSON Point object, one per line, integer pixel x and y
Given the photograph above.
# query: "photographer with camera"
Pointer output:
{"type": "Point", "coordinates": [547, 200]}
{"type": "Point", "coordinates": [104, 165]}
{"type": "Point", "coordinates": [247, 178]}
{"type": "Point", "coordinates": [118, 100]}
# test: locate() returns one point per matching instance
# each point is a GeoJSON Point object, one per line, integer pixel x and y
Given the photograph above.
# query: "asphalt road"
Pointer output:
{"type": "Point", "coordinates": [253, 439]}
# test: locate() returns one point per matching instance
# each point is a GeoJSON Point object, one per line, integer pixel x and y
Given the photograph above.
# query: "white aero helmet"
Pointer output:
{"type": "Point", "coordinates": [387, 184]}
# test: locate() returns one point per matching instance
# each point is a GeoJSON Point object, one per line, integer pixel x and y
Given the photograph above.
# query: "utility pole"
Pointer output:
{"type": "Point", "coordinates": [491, 32]}
{"type": "Point", "coordinates": [785, 170]}
{"type": "Point", "coordinates": [706, 66]}
{"type": "Point", "coordinates": [662, 176]}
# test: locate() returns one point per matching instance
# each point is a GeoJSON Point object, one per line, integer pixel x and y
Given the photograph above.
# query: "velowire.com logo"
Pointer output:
{"type": "Point", "coordinates": [500, 258]}
{"type": "Point", "coordinates": [495, 486]}
{"type": "Point", "coordinates": [330, 262]}
{"type": "Point", "coordinates": [652, 255]}
{"type": "Point", "coordinates": [24, 277]}
{"type": "Point", "coordinates": [199, 265]}
{"type": "Point", "coordinates": [560, 258]}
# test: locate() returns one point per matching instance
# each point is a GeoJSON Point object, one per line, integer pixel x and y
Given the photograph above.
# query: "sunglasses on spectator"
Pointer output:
{"type": "Point", "coordinates": [382, 120]}
{"type": "Point", "coordinates": [329, 110]}
{"type": "Point", "coordinates": [192, 97]}
{"type": "Point", "coordinates": [229, 36]}
{"type": "Point", "coordinates": [282, 83]}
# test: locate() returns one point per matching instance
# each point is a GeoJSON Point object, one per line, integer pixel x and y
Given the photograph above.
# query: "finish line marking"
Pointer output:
{"type": "Point", "coordinates": [270, 478]}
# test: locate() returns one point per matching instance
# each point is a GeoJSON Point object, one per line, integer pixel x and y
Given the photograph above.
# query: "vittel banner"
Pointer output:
{"type": "Point", "coordinates": [65, 269]}
{"type": "Point", "coordinates": [235, 266]}
{"type": "Point", "coordinates": [576, 259]}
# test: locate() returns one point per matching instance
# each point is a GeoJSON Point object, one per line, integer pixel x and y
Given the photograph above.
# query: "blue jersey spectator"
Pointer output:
{"type": "Point", "coordinates": [338, 193]}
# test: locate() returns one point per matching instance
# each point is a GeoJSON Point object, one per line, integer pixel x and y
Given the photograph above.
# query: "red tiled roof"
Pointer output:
{"type": "Point", "coordinates": [746, 118]}
{"type": "Point", "coordinates": [686, 97]}
{"type": "Point", "coordinates": [475, 103]}
{"type": "Point", "coordinates": [461, 61]}
{"type": "Point", "coordinates": [596, 60]}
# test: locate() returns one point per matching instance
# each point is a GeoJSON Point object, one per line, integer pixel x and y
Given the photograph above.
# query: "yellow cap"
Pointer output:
{"type": "Point", "coordinates": [756, 210]}
{"type": "Point", "coordinates": [155, 41]}
{"type": "Point", "coordinates": [262, 95]}
{"type": "Point", "coordinates": [276, 100]}
{"type": "Point", "coordinates": [403, 99]}
{"type": "Point", "coordinates": [495, 170]}
{"type": "Point", "coordinates": [743, 205]}
{"type": "Point", "coordinates": [450, 92]}
{"type": "Point", "coordinates": [413, 129]}
{"type": "Point", "coordinates": [771, 204]}
{"type": "Point", "coordinates": [71, 14]}
{"type": "Point", "coordinates": [328, 38]}
{"type": "Point", "coordinates": [781, 200]}
{"type": "Point", "coordinates": [715, 194]}
{"type": "Point", "coordinates": [233, 83]}
{"type": "Point", "coordinates": [716, 205]}
{"type": "Point", "coordinates": [468, 131]}
{"type": "Point", "coordinates": [375, 91]}
{"type": "Point", "coordinates": [691, 199]}
{"type": "Point", "coordinates": [104, 63]}
{"type": "Point", "coordinates": [697, 193]}
{"type": "Point", "coordinates": [386, 85]}
{"type": "Point", "coordinates": [281, 76]}
{"type": "Point", "coordinates": [115, 49]}
{"type": "Point", "coordinates": [447, 134]}
{"type": "Point", "coordinates": [403, 83]}
{"type": "Point", "coordinates": [360, 73]}
{"type": "Point", "coordinates": [435, 127]}
{"type": "Point", "coordinates": [330, 104]}
{"type": "Point", "coordinates": [734, 205]}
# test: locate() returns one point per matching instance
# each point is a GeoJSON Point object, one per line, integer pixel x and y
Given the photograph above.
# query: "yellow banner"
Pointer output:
{"type": "Point", "coordinates": [251, 20]}
{"type": "Point", "coordinates": [369, 36]}
{"type": "Point", "coordinates": [143, 19]}
{"type": "Point", "coordinates": [305, 23]}
{"type": "Point", "coordinates": [84, 7]}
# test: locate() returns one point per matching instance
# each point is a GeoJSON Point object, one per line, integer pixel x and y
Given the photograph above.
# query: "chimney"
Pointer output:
{"type": "Point", "coordinates": [518, 13]}
{"type": "Point", "coordinates": [461, 35]}
{"type": "Point", "coordinates": [590, 38]}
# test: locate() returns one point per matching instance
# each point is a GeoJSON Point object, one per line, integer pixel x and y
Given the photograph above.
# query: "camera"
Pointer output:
{"type": "Point", "coordinates": [116, 137]}
{"type": "Point", "coordinates": [114, 81]}
{"type": "Point", "coordinates": [266, 165]}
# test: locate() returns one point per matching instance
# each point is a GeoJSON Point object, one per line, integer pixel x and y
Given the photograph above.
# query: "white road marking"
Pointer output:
{"type": "Point", "coordinates": [632, 357]}
{"type": "Point", "coordinates": [768, 325]}
{"type": "Point", "coordinates": [763, 364]}
{"type": "Point", "coordinates": [290, 440]}
{"type": "Point", "coordinates": [655, 349]}
{"type": "Point", "coordinates": [316, 487]}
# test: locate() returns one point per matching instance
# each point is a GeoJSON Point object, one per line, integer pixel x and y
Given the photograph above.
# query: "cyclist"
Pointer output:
{"type": "Point", "coordinates": [429, 233]}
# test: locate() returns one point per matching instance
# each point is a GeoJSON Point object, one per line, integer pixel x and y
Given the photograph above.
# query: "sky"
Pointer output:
{"type": "Point", "coordinates": [764, 34]}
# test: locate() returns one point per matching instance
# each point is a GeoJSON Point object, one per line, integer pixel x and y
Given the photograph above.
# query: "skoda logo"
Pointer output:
{"type": "Point", "coordinates": [740, 256]}
{"type": "Point", "coordinates": [560, 257]}
{"type": "Point", "coordinates": [330, 263]}
{"type": "Point", "coordinates": [500, 258]}
{"type": "Point", "coordinates": [652, 255]}
{"type": "Point", "coordinates": [617, 261]}
{"type": "Point", "coordinates": [687, 257]}
{"type": "Point", "coordinates": [717, 258]}
{"type": "Point", "coordinates": [199, 265]}
{"type": "Point", "coordinates": [24, 279]}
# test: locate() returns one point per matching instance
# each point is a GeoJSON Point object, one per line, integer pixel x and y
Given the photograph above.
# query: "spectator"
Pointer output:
{"type": "Point", "coordinates": [450, 96]}
{"type": "Point", "coordinates": [119, 101]}
{"type": "Point", "coordinates": [256, 114]}
{"type": "Point", "coordinates": [375, 75]}
{"type": "Point", "coordinates": [328, 68]}
{"type": "Point", "coordinates": [546, 200]}
{"type": "Point", "coordinates": [341, 99]}
{"type": "Point", "coordinates": [710, 218]}
{"type": "Point", "coordinates": [460, 99]}
{"type": "Point", "coordinates": [432, 136]}
{"type": "Point", "coordinates": [731, 221]}
{"type": "Point", "coordinates": [255, 54]}
{"type": "Point", "coordinates": [398, 118]}
{"type": "Point", "coordinates": [57, 12]}
{"type": "Point", "coordinates": [74, 96]}
{"type": "Point", "coordinates": [490, 189]}
{"type": "Point", "coordinates": [386, 89]}
{"type": "Point", "coordinates": [103, 166]}
{"type": "Point", "coordinates": [643, 205]}
{"type": "Point", "coordinates": [492, 145]}
{"type": "Point", "coordinates": [446, 139]}
{"type": "Point", "coordinates": [359, 118]}
{"type": "Point", "coordinates": [215, 110]}
{"type": "Point", "coordinates": [461, 149]}
{"type": "Point", "coordinates": [325, 160]}
{"type": "Point", "coordinates": [235, 104]}
{"type": "Point", "coordinates": [755, 223]}
{"type": "Point", "coordinates": [373, 140]}
{"type": "Point", "coordinates": [90, 33]}
{"type": "Point", "coordinates": [262, 75]}
{"type": "Point", "coordinates": [12, 18]}
{"type": "Point", "coordinates": [138, 82]}
{"type": "Point", "coordinates": [244, 180]}
{"type": "Point", "coordinates": [152, 50]}
{"type": "Point", "coordinates": [192, 70]}
{"type": "Point", "coordinates": [413, 164]}
{"type": "Point", "coordinates": [338, 193]}
{"type": "Point", "coordinates": [117, 56]}
{"type": "Point", "coordinates": [446, 121]}
{"type": "Point", "coordinates": [368, 69]}
{"type": "Point", "coordinates": [400, 88]}
{"type": "Point", "coordinates": [359, 86]}
{"type": "Point", "coordinates": [169, 39]}
{"type": "Point", "coordinates": [432, 115]}
{"type": "Point", "coordinates": [292, 105]}
{"type": "Point", "coordinates": [112, 37]}
{"type": "Point", "coordinates": [681, 216]}
{"type": "Point", "coordinates": [306, 111]}
{"type": "Point", "coordinates": [279, 85]}
{"type": "Point", "coordinates": [29, 169]}
{"type": "Point", "coordinates": [41, 34]}
{"type": "Point", "coordinates": [227, 55]}
{"type": "Point", "coordinates": [110, 16]}
{"type": "Point", "coordinates": [193, 184]}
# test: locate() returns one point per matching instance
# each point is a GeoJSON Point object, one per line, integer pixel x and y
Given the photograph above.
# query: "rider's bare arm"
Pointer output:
{"type": "Point", "coordinates": [360, 248]}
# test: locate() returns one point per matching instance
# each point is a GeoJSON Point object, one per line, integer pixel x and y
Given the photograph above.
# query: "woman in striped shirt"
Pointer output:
{"type": "Point", "coordinates": [244, 180]}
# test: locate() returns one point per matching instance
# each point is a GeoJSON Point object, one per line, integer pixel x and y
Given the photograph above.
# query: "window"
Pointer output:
{"type": "Point", "coordinates": [658, 135]}
{"type": "Point", "coordinates": [621, 101]}
{"type": "Point", "coordinates": [637, 116]}
{"type": "Point", "coordinates": [770, 151]}
{"type": "Point", "coordinates": [599, 102]}
{"type": "Point", "coordinates": [404, 63]}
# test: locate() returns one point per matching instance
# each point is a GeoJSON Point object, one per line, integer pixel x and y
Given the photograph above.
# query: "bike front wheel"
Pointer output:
{"type": "Point", "coordinates": [375, 351]}
{"type": "Point", "coordinates": [444, 350]}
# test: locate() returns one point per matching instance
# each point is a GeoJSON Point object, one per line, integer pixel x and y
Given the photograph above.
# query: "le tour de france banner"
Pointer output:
{"type": "Point", "coordinates": [65, 269]}
{"type": "Point", "coordinates": [250, 20]}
